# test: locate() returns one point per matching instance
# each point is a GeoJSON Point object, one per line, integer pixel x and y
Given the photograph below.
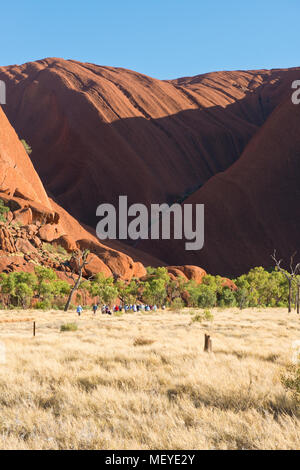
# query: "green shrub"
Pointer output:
{"type": "Point", "coordinates": [202, 316]}
{"type": "Point", "coordinates": [3, 210]}
{"type": "Point", "coordinates": [177, 304]}
{"type": "Point", "coordinates": [43, 305]}
{"type": "Point", "coordinates": [242, 299]}
{"type": "Point", "coordinates": [26, 147]}
{"type": "Point", "coordinates": [69, 327]}
{"type": "Point", "coordinates": [61, 250]}
{"type": "Point", "coordinates": [117, 314]}
{"type": "Point", "coordinates": [50, 248]}
{"type": "Point", "coordinates": [291, 381]}
{"type": "Point", "coordinates": [226, 298]}
{"type": "Point", "coordinates": [207, 297]}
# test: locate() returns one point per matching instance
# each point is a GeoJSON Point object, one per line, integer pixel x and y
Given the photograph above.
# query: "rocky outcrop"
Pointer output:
{"type": "Point", "coordinates": [188, 273]}
{"type": "Point", "coordinates": [253, 207]}
{"type": "Point", "coordinates": [50, 232]}
{"type": "Point", "coordinates": [121, 265]}
{"type": "Point", "coordinates": [175, 272]}
{"type": "Point", "coordinates": [193, 273]}
{"type": "Point", "coordinates": [229, 283]}
{"type": "Point", "coordinates": [34, 219]}
{"type": "Point", "coordinates": [173, 135]}
{"type": "Point", "coordinates": [7, 243]}
{"type": "Point", "coordinates": [225, 139]}
{"type": "Point", "coordinates": [139, 270]}
{"type": "Point", "coordinates": [96, 265]}
{"type": "Point", "coordinates": [24, 246]}
{"type": "Point", "coordinates": [66, 242]}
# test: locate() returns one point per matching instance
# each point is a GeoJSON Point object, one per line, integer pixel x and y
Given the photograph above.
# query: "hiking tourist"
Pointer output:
{"type": "Point", "coordinates": [95, 308]}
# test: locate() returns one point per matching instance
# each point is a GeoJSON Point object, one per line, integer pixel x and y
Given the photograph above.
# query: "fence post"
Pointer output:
{"type": "Point", "coordinates": [207, 343]}
{"type": "Point", "coordinates": [34, 328]}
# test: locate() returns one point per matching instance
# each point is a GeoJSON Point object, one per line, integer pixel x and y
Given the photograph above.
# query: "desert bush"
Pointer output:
{"type": "Point", "coordinates": [154, 291]}
{"type": "Point", "coordinates": [257, 288]}
{"type": "Point", "coordinates": [69, 327]}
{"type": "Point", "coordinates": [3, 211]}
{"type": "Point", "coordinates": [49, 248]}
{"type": "Point", "coordinates": [128, 292]}
{"type": "Point", "coordinates": [207, 296]}
{"type": "Point", "coordinates": [241, 297]}
{"type": "Point", "coordinates": [291, 381]}
{"type": "Point", "coordinates": [142, 341]}
{"type": "Point", "coordinates": [61, 250]}
{"type": "Point", "coordinates": [262, 288]}
{"type": "Point", "coordinates": [118, 314]}
{"type": "Point", "coordinates": [226, 298]}
{"type": "Point", "coordinates": [205, 315]}
{"type": "Point", "coordinates": [103, 288]}
{"type": "Point", "coordinates": [26, 146]}
{"type": "Point", "coordinates": [177, 304]}
{"type": "Point", "coordinates": [43, 305]}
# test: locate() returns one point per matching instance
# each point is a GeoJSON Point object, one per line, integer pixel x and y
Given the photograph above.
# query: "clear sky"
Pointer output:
{"type": "Point", "coordinates": [161, 38]}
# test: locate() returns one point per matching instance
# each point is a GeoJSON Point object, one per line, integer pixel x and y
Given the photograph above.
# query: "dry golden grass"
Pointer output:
{"type": "Point", "coordinates": [94, 389]}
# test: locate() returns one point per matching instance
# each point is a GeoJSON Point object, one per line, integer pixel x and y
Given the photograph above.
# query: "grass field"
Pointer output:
{"type": "Point", "coordinates": [142, 381]}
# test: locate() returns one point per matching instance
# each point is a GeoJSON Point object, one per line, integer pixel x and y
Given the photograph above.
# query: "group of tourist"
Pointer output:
{"type": "Point", "coordinates": [105, 309]}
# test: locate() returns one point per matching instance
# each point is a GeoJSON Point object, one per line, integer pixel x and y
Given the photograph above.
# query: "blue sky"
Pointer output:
{"type": "Point", "coordinates": [161, 38]}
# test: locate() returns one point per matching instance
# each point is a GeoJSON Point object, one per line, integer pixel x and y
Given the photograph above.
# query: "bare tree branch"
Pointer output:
{"type": "Point", "coordinates": [290, 276]}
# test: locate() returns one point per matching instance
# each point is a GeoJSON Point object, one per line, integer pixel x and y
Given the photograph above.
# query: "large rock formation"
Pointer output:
{"type": "Point", "coordinates": [224, 139]}
{"type": "Point", "coordinates": [253, 207]}
{"type": "Point", "coordinates": [99, 132]}
{"type": "Point", "coordinates": [34, 218]}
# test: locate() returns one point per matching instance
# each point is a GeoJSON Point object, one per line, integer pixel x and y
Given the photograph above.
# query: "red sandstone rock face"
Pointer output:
{"type": "Point", "coordinates": [189, 273]}
{"type": "Point", "coordinates": [7, 243]}
{"type": "Point", "coordinates": [193, 273]}
{"type": "Point", "coordinates": [95, 265]}
{"type": "Point", "coordinates": [175, 272]}
{"type": "Point", "coordinates": [229, 283]}
{"type": "Point", "coordinates": [66, 242]}
{"type": "Point", "coordinates": [35, 218]}
{"type": "Point", "coordinates": [23, 216]}
{"type": "Point", "coordinates": [25, 246]}
{"type": "Point", "coordinates": [139, 270]}
{"type": "Point", "coordinates": [121, 265]}
{"type": "Point", "coordinates": [114, 131]}
{"type": "Point", "coordinates": [50, 232]}
{"type": "Point", "coordinates": [253, 207]}
{"type": "Point", "coordinates": [17, 172]}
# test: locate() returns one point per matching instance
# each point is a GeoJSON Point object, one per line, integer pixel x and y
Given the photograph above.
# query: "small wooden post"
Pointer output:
{"type": "Point", "coordinates": [34, 328]}
{"type": "Point", "coordinates": [207, 343]}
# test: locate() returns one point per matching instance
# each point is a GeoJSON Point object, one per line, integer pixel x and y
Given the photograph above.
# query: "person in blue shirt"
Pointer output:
{"type": "Point", "coordinates": [95, 308]}
{"type": "Point", "coordinates": [79, 310]}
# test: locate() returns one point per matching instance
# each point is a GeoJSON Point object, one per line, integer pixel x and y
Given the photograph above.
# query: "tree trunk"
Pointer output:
{"type": "Point", "coordinates": [290, 296]}
{"type": "Point", "coordinates": [74, 289]}
{"type": "Point", "coordinates": [207, 343]}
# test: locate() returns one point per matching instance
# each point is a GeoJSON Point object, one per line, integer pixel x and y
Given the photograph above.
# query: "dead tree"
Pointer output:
{"type": "Point", "coordinates": [79, 261]}
{"type": "Point", "coordinates": [290, 277]}
{"type": "Point", "coordinates": [297, 282]}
